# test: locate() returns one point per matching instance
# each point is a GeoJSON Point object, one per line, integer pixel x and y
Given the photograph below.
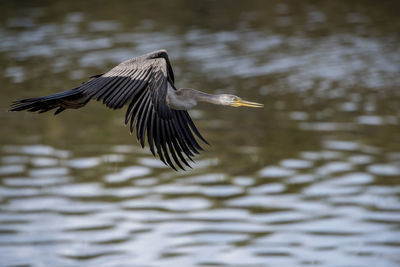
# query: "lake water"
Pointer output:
{"type": "Point", "coordinates": [311, 179]}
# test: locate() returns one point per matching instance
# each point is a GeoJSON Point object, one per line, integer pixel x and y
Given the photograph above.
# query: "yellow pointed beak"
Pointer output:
{"type": "Point", "coordinates": [244, 103]}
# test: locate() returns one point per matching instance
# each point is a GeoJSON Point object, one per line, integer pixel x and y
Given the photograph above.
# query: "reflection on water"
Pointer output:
{"type": "Point", "coordinates": [313, 208]}
{"type": "Point", "coordinates": [317, 182]}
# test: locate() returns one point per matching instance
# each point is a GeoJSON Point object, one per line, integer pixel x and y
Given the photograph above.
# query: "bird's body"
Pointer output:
{"type": "Point", "coordinates": [156, 108]}
{"type": "Point", "coordinates": [177, 99]}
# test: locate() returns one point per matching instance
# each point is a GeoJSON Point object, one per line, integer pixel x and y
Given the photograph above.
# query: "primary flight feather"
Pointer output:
{"type": "Point", "coordinates": [156, 109]}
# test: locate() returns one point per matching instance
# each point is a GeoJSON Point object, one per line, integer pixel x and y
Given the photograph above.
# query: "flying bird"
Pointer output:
{"type": "Point", "coordinates": [156, 109]}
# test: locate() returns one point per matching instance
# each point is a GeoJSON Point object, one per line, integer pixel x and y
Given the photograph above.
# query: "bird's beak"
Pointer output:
{"type": "Point", "coordinates": [244, 103]}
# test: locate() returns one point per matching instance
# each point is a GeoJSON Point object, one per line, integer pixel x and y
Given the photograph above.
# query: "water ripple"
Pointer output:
{"type": "Point", "coordinates": [126, 174]}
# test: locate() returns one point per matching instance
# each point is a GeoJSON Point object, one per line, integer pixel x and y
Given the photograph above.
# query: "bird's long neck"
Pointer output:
{"type": "Point", "coordinates": [187, 98]}
{"type": "Point", "coordinates": [200, 96]}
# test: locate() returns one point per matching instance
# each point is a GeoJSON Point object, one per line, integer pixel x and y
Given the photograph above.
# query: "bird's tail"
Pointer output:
{"type": "Point", "coordinates": [68, 99]}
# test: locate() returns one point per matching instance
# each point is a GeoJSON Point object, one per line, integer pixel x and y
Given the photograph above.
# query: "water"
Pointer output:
{"type": "Point", "coordinates": [311, 179]}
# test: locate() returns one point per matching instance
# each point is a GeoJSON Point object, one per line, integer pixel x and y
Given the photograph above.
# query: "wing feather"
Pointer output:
{"type": "Point", "coordinates": [189, 136]}
{"type": "Point", "coordinates": [181, 140]}
{"type": "Point", "coordinates": [135, 108]}
{"type": "Point", "coordinates": [171, 148]}
{"type": "Point", "coordinates": [175, 144]}
{"type": "Point", "coordinates": [193, 127]}
{"type": "Point", "coordinates": [163, 146]}
{"type": "Point", "coordinates": [142, 114]}
{"type": "Point", "coordinates": [119, 92]}
{"type": "Point", "coordinates": [157, 137]}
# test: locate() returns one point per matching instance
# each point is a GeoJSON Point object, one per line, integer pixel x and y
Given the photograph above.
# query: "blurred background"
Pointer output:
{"type": "Point", "coordinates": [311, 179]}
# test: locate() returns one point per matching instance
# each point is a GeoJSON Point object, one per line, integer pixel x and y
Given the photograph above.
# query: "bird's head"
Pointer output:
{"type": "Point", "coordinates": [235, 101]}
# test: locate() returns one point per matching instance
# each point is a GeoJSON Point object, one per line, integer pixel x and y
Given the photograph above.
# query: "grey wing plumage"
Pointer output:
{"type": "Point", "coordinates": [143, 83]}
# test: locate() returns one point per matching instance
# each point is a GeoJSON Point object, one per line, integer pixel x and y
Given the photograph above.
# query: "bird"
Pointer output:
{"type": "Point", "coordinates": [156, 108]}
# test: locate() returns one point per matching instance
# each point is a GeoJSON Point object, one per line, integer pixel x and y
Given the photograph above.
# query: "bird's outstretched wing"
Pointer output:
{"type": "Point", "coordinates": [142, 83]}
